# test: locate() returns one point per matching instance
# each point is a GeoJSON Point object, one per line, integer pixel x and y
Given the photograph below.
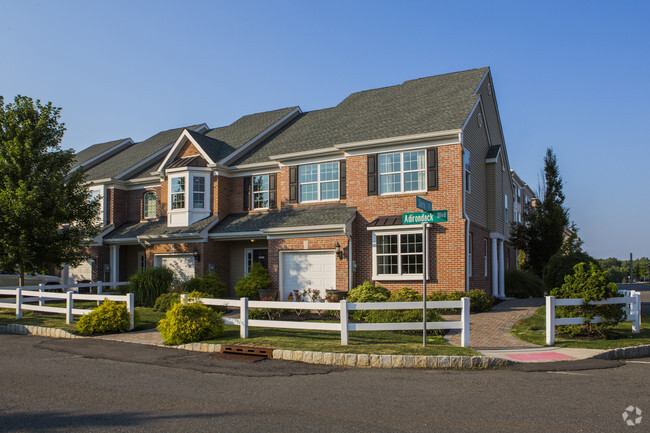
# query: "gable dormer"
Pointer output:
{"type": "Point", "coordinates": [188, 181]}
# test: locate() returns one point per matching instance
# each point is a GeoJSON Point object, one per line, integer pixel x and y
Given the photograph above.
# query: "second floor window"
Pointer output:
{"type": "Point", "coordinates": [319, 182]}
{"type": "Point", "coordinates": [178, 192]}
{"type": "Point", "coordinates": [402, 172]}
{"type": "Point", "coordinates": [261, 192]}
{"type": "Point", "coordinates": [149, 206]}
{"type": "Point", "coordinates": [198, 192]}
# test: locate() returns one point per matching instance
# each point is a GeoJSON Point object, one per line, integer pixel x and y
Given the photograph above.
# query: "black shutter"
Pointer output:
{"type": "Point", "coordinates": [293, 184]}
{"type": "Point", "coordinates": [342, 179]}
{"type": "Point", "coordinates": [247, 193]}
{"type": "Point", "coordinates": [372, 175]}
{"type": "Point", "coordinates": [272, 190]}
{"type": "Point", "coordinates": [432, 169]}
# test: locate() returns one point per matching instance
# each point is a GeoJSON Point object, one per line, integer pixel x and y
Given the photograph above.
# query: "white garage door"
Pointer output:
{"type": "Point", "coordinates": [83, 272]}
{"type": "Point", "coordinates": [308, 270]}
{"type": "Point", "coordinates": [182, 265]}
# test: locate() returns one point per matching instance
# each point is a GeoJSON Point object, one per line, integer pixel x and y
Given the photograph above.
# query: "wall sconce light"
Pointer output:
{"type": "Point", "coordinates": [196, 254]}
{"type": "Point", "coordinates": [338, 251]}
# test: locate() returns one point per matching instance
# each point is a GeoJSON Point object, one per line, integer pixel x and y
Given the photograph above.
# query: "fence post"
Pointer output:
{"type": "Point", "coordinates": [344, 322]}
{"type": "Point", "coordinates": [183, 298]}
{"type": "Point", "coordinates": [550, 320]}
{"type": "Point", "coordinates": [636, 320]}
{"type": "Point", "coordinates": [464, 319]}
{"type": "Point", "coordinates": [100, 287]}
{"type": "Point", "coordinates": [41, 299]}
{"type": "Point", "coordinates": [19, 303]}
{"type": "Point", "coordinates": [130, 307]}
{"type": "Point", "coordinates": [243, 318]}
{"type": "Point", "coordinates": [69, 305]}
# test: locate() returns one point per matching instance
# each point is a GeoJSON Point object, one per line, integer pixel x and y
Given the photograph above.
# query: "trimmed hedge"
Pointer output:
{"type": "Point", "coordinates": [110, 316]}
{"type": "Point", "coordinates": [187, 323]}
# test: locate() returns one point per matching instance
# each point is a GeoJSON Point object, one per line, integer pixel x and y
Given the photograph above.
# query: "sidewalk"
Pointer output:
{"type": "Point", "coordinates": [490, 335]}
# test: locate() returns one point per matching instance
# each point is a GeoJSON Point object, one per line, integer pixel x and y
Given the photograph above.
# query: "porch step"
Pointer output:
{"type": "Point", "coordinates": [265, 352]}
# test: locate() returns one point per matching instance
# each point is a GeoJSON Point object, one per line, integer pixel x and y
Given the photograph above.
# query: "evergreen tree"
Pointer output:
{"type": "Point", "coordinates": [46, 213]}
{"type": "Point", "coordinates": [542, 233]}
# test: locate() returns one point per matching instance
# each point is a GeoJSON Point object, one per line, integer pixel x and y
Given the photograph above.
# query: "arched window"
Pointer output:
{"type": "Point", "coordinates": [150, 205]}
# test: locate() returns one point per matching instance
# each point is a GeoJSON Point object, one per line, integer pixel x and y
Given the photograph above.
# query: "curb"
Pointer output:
{"type": "Point", "coordinates": [15, 328]}
{"type": "Point", "coordinates": [625, 353]}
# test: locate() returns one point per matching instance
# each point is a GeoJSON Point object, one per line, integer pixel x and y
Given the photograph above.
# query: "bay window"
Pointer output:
{"type": "Point", "coordinates": [198, 192]}
{"type": "Point", "coordinates": [177, 192]}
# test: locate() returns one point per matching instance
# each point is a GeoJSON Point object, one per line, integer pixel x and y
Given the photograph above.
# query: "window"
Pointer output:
{"type": "Point", "coordinates": [149, 205]}
{"type": "Point", "coordinates": [402, 172]}
{"type": "Point", "coordinates": [319, 182]}
{"type": "Point", "coordinates": [470, 247]}
{"type": "Point", "coordinates": [505, 202]}
{"type": "Point", "coordinates": [96, 192]}
{"type": "Point", "coordinates": [178, 192]}
{"type": "Point", "coordinates": [142, 261]}
{"type": "Point", "coordinates": [261, 192]}
{"type": "Point", "coordinates": [399, 254]}
{"type": "Point", "coordinates": [485, 258]}
{"type": "Point", "coordinates": [468, 171]}
{"type": "Point", "coordinates": [198, 192]}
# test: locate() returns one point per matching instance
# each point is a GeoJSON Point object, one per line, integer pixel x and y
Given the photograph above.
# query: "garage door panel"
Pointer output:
{"type": "Point", "coordinates": [313, 270]}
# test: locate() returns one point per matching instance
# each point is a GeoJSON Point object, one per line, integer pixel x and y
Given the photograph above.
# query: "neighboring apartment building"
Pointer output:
{"type": "Point", "coordinates": [317, 197]}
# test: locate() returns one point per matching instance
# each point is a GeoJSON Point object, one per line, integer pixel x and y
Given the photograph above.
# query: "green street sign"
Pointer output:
{"type": "Point", "coordinates": [437, 216]}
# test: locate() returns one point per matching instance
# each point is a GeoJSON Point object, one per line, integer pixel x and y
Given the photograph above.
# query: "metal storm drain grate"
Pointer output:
{"type": "Point", "coordinates": [244, 353]}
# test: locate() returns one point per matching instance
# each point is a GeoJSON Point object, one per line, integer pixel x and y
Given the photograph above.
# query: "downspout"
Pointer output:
{"type": "Point", "coordinates": [347, 234]}
{"type": "Point", "coordinates": [462, 163]}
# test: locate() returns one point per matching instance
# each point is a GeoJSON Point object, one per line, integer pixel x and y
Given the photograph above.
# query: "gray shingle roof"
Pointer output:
{"type": "Point", "coordinates": [157, 227]}
{"type": "Point", "coordinates": [431, 104]}
{"type": "Point", "coordinates": [287, 218]}
{"type": "Point", "coordinates": [134, 154]}
{"type": "Point", "coordinates": [95, 149]}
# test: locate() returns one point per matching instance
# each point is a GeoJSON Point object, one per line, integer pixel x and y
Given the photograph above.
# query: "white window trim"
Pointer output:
{"type": "Point", "coordinates": [402, 172]}
{"type": "Point", "coordinates": [102, 199]}
{"type": "Point", "coordinates": [391, 277]}
{"type": "Point", "coordinates": [248, 254]}
{"type": "Point", "coordinates": [253, 192]}
{"type": "Point", "coordinates": [319, 182]}
{"type": "Point", "coordinates": [170, 194]}
{"type": "Point", "coordinates": [467, 172]}
{"type": "Point", "coordinates": [144, 205]}
{"type": "Point", "coordinates": [204, 192]}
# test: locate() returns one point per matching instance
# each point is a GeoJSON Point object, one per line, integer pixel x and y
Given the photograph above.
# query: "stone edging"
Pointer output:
{"type": "Point", "coordinates": [625, 353]}
{"type": "Point", "coordinates": [15, 328]}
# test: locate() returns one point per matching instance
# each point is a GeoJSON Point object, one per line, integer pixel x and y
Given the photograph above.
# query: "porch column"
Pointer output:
{"type": "Point", "coordinates": [495, 268]}
{"type": "Point", "coordinates": [115, 263]}
{"type": "Point", "coordinates": [502, 281]}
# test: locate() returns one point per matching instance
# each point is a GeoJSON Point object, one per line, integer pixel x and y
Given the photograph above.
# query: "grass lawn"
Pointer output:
{"type": "Point", "coordinates": [146, 318]}
{"type": "Point", "coordinates": [533, 330]}
{"type": "Point", "coordinates": [379, 342]}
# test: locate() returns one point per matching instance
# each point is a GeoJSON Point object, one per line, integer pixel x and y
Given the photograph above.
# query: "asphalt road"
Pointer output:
{"type": "Point", "coordinates": [91, 385]}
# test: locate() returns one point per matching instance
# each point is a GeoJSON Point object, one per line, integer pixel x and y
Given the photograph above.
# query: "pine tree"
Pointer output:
{"type": "Point", "coordinates": [46, 213]}
{"type": "Point", "coordinates": [542, 233]}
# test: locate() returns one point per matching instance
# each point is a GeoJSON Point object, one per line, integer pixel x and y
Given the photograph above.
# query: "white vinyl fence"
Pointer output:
{"type": "Point", "coordinates": [25, 297]}
{"type": "Point", "coordinates": [631, 303]}
{"type": "Point", "coordinates": [343, 307]}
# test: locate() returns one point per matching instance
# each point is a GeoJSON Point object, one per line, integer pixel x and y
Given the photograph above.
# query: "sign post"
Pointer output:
{"type": "Point", "coordinates": [425, 251]}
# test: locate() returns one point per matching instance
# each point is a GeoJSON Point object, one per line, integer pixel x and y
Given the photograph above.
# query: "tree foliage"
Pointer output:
{"type": "Point", "coordinates": [46, 212]}
{"type": "Point", "coordinates": [541, 235]}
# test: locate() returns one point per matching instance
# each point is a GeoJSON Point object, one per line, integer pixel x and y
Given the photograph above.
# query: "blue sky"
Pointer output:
{"type": "Point", "coordinates": [572, 75]}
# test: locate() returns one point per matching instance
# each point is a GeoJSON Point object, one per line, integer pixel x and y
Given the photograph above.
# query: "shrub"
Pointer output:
{"type": "Point", "coordinates": [590, 283]}
{"type": "Point", "coordinates": [405, 294]}
{"type": "Point", "coordinates": [559, 266]}
{"type": "Point", "coordinates": [212, 285]}
{"type": "Point", "coordinates": [479, 301]}
{"type": "Point", "coordinates": [367, 292]}
{"type": "Point", "coordinates": [186, 323]}
{"type": "Point", "coordinates": [108, 317]}
{"type": "Point", "coordinates": [147, 285]}
{"type": "Point", "coordinates": [257, 279]}
{"type": "Point", "coordinates": [521, 284]}
{"type": "Point", "coordinates": [187, 286]}
{"type": "Point", "coordinates": [166, 301]}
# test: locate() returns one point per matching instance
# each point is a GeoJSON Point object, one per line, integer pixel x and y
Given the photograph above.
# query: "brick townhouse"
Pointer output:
{"type": "Point", "coordinates": [317, 197]}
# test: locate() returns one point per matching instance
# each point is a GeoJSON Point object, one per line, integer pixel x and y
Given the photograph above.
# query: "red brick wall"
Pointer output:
{"type": "Point", "coordinates": [135, 203]}
{"type": "Point", "coordinates": [188, 149]}
{"type": "Point", "coordinates": [117, 206]}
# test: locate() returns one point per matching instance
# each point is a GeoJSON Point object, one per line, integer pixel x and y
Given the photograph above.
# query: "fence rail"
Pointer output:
{"type": "Point", "coordinates": [24, 296]}
{"type": "Point", "coordinates": [631, 304]}
{"type": "Point", "coordinates": [343, 307]}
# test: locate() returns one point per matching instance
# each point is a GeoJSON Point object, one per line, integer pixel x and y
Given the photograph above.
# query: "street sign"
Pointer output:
{"type": "Point", "coordinates": [437, 216]}
{"type": "Point", "coordinates": [423, 204]}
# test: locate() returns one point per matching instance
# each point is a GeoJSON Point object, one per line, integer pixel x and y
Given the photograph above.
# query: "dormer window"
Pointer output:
{"type": "Point", "coordinates": [189, 196]}
{"type": "Point", "coordinates": [178, 192]}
